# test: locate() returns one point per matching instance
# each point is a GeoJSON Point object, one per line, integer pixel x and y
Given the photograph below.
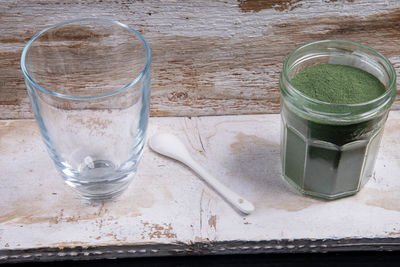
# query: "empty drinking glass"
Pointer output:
{"type": "Point", "coordinates": [89, 85]}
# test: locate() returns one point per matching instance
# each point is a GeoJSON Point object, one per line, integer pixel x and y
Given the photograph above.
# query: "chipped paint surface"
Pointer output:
{"type": "Point", "coordinates": [258, 5]}
{"type": "Point", "coordinates": [167, 203]}
{"type": "Point", "coordinates": [209, 57]}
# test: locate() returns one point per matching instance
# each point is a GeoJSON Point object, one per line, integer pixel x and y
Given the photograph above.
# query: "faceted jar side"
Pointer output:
{"type": "Point", "coordinates": [328, 161]}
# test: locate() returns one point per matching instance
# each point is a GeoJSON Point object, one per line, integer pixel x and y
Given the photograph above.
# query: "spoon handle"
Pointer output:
{"type": "Point", "coordinates": [234, 199]}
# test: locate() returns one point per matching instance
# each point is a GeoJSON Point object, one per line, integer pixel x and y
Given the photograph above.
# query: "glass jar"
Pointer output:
{"type": "Point", "coordinates": [329, 150]}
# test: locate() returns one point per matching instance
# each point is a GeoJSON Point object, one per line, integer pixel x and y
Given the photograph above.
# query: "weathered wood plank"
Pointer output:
{"type": "Point", "coordinates": [168, 210]}
{"type": "Point", "coordinates": [209, 57]}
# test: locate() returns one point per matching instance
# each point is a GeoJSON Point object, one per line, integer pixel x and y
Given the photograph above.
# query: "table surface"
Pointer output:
{"type": "Point", "coordinates": [209, 58]}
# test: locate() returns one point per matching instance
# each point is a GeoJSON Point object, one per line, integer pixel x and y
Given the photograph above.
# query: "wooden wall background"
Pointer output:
{"type": "Point", "coordinates": [209, 57]}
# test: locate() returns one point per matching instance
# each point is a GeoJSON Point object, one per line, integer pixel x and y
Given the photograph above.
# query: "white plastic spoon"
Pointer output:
{"type": "Point", "coordinates": [169, 145]}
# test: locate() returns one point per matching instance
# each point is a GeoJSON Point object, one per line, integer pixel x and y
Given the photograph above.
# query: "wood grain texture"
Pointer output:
{"type": "Point", "coordinates": [209, 57]}
{"type": "Point", "coordinates": [168, 210]}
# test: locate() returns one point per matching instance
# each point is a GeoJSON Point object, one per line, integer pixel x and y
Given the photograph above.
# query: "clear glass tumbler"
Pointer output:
{"type": "Point", "coordinates": [329, 150]}
{"type": "Point", "coordinates": [89, 85]}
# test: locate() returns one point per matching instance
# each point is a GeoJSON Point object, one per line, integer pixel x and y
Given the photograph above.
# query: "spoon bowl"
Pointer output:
{"type": "Point", "coordinates": [171, 146]}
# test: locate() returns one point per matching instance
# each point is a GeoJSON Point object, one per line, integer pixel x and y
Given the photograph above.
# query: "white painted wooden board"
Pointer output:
{"type": "Point", "coordinates": [168, 210]}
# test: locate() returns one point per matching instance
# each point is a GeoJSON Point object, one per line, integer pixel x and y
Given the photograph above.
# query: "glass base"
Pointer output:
{"type": "Point", "coordinates": [100, 191]}
{"type": "Point", "coordinates": [99, 180]}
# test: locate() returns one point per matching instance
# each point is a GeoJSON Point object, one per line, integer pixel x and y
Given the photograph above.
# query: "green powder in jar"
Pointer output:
{"type": "Point", "coordinates": [326, 159]}
{"type": "Point", "coordinates": [338, 84]}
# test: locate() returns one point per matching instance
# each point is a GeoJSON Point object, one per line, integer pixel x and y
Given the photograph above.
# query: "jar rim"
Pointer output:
{"type": "Point", "coordinates": [386, 98]}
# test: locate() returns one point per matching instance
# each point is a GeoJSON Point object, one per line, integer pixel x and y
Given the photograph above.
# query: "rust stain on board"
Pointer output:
{"type": "Point", "coordinates": [22, 213]}
{"type": "Point", "coordinates": [74, 33]}
{"type": "Point", "coordinates": [258, 5]}
{"type": "Point", "coordinates": [388, 27]}
{"type": "Point", "coordinates": [244, 139]}
{"type": "Point", "coordinates": [279, 5]}
{"type": "Point", "coordinates": [7, 126]}
{"type": "Point", "coordinates": [212, 221]}
{"type": "Point", "coordinates": [354, 28]}
{"type": "Point", "coordinates": [201, 239]}
{"type": "Point", "coordinates": [33, 215]}
{"type": "Point", "coordinates": [177, 96]}
{"type": "Point", "coordinates": [20, 217]}
{"type": "Point", "coordinates": [6, 40]}
{"type": "Point", "coordinates": [153, 230]}
{"type": "Point", "coordinates": [10, 58]}
{"type": "Point", "coordinates": [385, 199]}
{"type": "Point", "coordinates": [23, 131]}
{"type": "Point", "coordinates": [333, 1]}
{"type": "Point", "coordinates": [32, 210]}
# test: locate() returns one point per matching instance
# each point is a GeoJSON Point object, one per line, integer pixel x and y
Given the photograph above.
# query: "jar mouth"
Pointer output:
{"type": "Point", "coordinates": [335, 111]}
{"type": "Point", "coordinates": [134, 80]}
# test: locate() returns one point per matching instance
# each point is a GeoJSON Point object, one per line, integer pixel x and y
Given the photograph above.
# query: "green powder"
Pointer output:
{"type": "Point", "coordinates": [339, 84]}
{"type": "Point", "coordinates": [329, 160]}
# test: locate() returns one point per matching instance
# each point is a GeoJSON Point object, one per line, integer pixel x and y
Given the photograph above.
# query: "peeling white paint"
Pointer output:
{"type": "Point", "coordinates": [168, 203]}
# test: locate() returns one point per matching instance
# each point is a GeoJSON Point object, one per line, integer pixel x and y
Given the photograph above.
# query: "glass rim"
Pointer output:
{"type": "Point", "coordinates": [391, 74]}
{"type": "Point", "coordinates": [72, 97]}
